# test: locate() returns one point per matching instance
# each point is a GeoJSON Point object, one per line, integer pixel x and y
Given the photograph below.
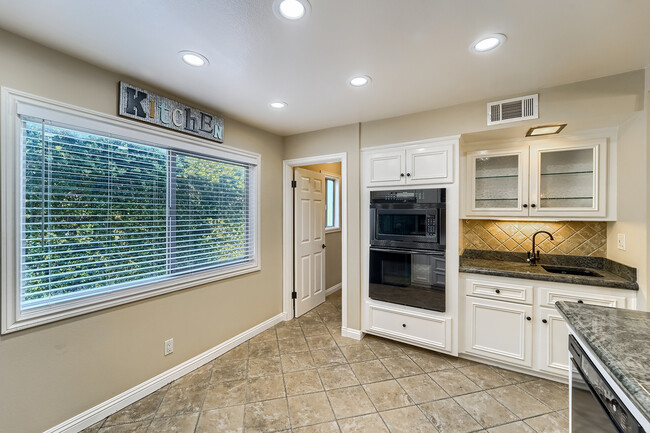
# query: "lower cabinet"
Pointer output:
{"type": "Point", "coordinates": [553, 342]}
{"type": "Point", "coordinates": [499, 330]}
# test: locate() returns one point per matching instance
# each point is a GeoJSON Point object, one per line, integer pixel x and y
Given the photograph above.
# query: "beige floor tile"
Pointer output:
{"type": "Point", "coordinates": [422, 388]}
{"type": "Point", "coordinates": [514, 427]}
{"type": "Point", "coordinates": [224, 394]}
{"type": "Point", "coordinates": [556, 396]}
{"type": "Point", "coordinates": [383, 348]}
{"type": "Point", "coordinates": [371, 371]}
{"type": "Point", "coordinates": [549, 423]}
{"type": "Point", "coordinates": [289, 332]}
{"type": "Point", "coordinates": [317, 342]}
{"type": "Point", "coordinates": [264, 388]}
{"type": "Point", "coordinates": [484, 376]}
{"type": "Point", "coordinates": [519, 402]}
{"type": "Point", "coordinates": [515, 377]}
{"type": "Point", "coordinates": [311, 329]}
{"type": "Point", "coordinates": [293, 345]}
{"type": "Point", "coordinates": [174, 424]}
{"type": "Point", "coordinates": [407, 420]}
{"type": "Point", "coordinates": [459, 362]}
{"type": "Point", "coordinates": [485, 409]}
{"type": "Point", "coordinates": [268, 335]}
{"type": "Point", "coordinates": [264, 366]}
{"type": "Point", "coordinates": [401, 366]}
{"type": "Point", "coordinates": [263, 349]}
{"type": "Point", "coordinates": [387, 395]}
{"type": "Point", "coordinates": [141, 410]}
{"type": "Point", "coordinates": [351, 401]}
{"type": "Point", "coordinates": [327, 427]}
{"type": "Point", "coordinates": [358, 353]}
{"type": "Point", "coordinates": [225, 420]}
{"type": "Point", "coordinates": [430, 362]}
{"type": "Point", "coordinates": [309, 409]}
{"type": "Point", "coordinates": [454, 382]}
{"type": "Point", "coordinates": [302, 382]}
{"type": "Point", "coordinates": [344, 341]}
{"type": "Point", "coordinates": [198, 377]}
{"type": "Point", "coordinates": [449, 417]}
{"type": "Point", "coordinates": [297, 361]}
{"type": "Point", "coordinates": [338, 376]}
{"type": "Point", "coordinates": [266, 416]}
{"type": "Point", "coordinates": [229, 370]}
{"type": "Point", "coordinates": [239, 352]}
{"type": "Point", "coordinates": [181, 401]}
{"type": "Point", "coordinates": [328, 357]}
{"type": "Point", "coordinates": [564, 413]}
{"type": "Point", "coordinates": [136, 427]}
{"type": "Point", "coordinates": [363, 424]}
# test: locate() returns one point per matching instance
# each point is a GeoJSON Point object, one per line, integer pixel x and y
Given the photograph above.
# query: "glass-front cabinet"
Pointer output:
{"type": "Point", "coordinates": [544, 179]}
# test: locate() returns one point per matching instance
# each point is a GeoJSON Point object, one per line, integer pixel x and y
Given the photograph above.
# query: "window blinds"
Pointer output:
{"type": "Point", "coordinates": [100, 213]}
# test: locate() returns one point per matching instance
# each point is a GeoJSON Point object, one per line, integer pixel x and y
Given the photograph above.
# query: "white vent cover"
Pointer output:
{"type": "Point", "coordinates": [513, 110]}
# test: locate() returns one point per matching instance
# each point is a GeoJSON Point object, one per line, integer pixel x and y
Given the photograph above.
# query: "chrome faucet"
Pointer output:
{"type": "Point", "coordinates": [534, 257]}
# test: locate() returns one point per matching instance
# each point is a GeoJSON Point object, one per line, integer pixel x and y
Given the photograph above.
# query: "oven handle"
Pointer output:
{"type": "Point", "coordinates": [398, 251]}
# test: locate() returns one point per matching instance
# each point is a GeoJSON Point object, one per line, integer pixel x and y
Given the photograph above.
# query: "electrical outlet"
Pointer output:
{"type": "Point", "coordinates": [169, 346]}
{"type": "Point", "coordinates": [621, 241]}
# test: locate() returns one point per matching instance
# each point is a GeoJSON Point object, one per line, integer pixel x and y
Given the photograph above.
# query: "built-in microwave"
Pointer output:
{"type": "Point", "coordinates": [408, 219]}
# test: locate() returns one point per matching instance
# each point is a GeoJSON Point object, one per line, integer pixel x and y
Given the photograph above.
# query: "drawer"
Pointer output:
{"type": "Point", "coordinates": [499, 291]}
{"type": "Point", "coordinates": [548, 298]}
{"type": "Point", "coordinates": [428, 331]}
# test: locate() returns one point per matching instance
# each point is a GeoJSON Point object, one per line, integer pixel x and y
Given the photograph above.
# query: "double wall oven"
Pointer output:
{"type": "Point", "coordinates": [407, 247]}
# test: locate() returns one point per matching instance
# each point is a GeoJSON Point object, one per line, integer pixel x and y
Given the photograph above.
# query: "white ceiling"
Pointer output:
{"type": "Point", "coordinates": [416, 51]}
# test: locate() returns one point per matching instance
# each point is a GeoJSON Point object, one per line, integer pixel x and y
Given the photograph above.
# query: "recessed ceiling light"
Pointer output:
{"type": "Point", "coordinates": [291, 10]}
{"type": "Point", "coordinates": [278, 105]}
{"type": "Point", "coordinates": [359, 81]}
{"type": "Point", "coordinates": [545, 130]}
{"type": "Point", "coordinates": [194, 59]}
{"type": "Point", "coordinates": [487, 43]}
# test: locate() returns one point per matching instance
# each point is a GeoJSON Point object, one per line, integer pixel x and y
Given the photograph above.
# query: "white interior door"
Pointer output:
{"type": "Point", "coordinates": [309, 240]}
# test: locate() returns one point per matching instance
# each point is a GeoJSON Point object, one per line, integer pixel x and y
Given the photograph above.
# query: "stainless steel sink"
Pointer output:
{"type": "Point", "coordinates": [567, 270]}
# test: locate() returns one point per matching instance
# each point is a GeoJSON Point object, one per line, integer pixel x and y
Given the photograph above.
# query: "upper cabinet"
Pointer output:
{"type": "Point", "coordinates": [545, 179]}
{"type": "Point", "coordinates": [422, 163]}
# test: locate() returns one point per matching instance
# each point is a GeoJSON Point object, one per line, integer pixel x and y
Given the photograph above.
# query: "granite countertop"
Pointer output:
{"type": "Point", "coordinates": [514, 265]}
{"type": "Point", "coordinates": [621, 341]}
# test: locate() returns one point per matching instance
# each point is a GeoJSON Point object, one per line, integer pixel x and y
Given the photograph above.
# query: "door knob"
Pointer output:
{"type": "Point", "coordinates": [544, 321]}
{"type": "Point", "coordinates": [408, 174]}
{"type": "Point", "coordinates": [525, 205]}
{"type": "Point", "coordinates": [401, 175]}
{"type": "Point", "coordinates": [533, 205]}
{"type": "Point", "coordinates": [529, 318]}
{"type": "Point", "coordinates": [324, 246]}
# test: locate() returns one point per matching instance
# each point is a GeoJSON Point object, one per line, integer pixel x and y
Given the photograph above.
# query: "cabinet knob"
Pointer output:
{"type": "Point", "coordinates": [403, 325]}
{"type": "Point", "coordinates": [525, 205]}
{"type": "Point", "coordinates": [533, 205]}
{"type": "Point", "coordinates": [544, 321]}
{"type": "Point", "coordinates": [580, 301]}
{"type": "Point", "coordinates": [529, 318]}
{"type": "Point", "coordinates": [401, 175]}
{"type": "Point", "coordinates": [408, 174]}
{"type": "Point", "coordinates": [498, 291]}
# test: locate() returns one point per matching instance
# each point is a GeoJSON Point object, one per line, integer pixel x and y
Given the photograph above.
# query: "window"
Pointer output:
{"type": "Point", "coordinates": [110, 212]}
{"type": "Point", "coordinates": [332, 217]}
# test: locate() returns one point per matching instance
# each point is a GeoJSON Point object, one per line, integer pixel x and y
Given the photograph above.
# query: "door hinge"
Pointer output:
{"type": "Point", "coordinates": [294, 184]}
{"type": "Point", "coordinates": [294, 295]}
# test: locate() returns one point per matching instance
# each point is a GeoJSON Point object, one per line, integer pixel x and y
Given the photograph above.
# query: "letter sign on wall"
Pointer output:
{"type": "Point", "coordinates": [151, 108]}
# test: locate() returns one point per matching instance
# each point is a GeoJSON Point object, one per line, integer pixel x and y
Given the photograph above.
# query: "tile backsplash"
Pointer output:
{"type": "Point", "coordinates": [578, 238]}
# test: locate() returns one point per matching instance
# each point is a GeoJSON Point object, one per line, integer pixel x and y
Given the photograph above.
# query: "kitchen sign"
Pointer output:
{"type": "Point", "coordinates": [160, 111]}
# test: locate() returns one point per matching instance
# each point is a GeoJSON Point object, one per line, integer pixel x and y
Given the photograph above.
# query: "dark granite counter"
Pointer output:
{"type": "Point", "coordinates": [514, 265]}
{"type": "Point", "coordinates": [621, 341]}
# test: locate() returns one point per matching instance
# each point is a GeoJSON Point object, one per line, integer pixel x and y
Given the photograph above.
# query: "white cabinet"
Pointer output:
{"type": "Point", "coordinates": [553, 342]}
{"type": "Point", "coordinates": [415, 164]}
{"type": "Point", "coordinates": [546, 179]}
{"type": "Point", "coordinates": [499, 330]}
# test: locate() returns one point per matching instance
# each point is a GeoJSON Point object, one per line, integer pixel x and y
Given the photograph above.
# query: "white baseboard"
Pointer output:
{"type": "Point", "coordinates": [352, 333]}
{"type": "Point", "coordinates": [333, 289]}
{"type": "Point", "coordinates": [109, 407]}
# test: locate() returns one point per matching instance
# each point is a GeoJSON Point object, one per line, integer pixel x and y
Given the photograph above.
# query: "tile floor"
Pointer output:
{"type": "Point", "coordinates": [303, 377]}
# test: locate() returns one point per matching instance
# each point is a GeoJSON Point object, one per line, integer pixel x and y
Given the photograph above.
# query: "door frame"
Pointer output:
{"type": "Point", "coordinates": [287, 230]}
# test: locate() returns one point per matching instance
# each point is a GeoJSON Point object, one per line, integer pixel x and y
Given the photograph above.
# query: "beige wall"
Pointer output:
{"type": "Point", "coordinates": [53, 372]}
{"type": "Point", "coordinates": [330, 141]}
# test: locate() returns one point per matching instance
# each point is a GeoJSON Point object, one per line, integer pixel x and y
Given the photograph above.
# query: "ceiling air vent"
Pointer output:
{"type": "Point", "coordinates": [512, 110]}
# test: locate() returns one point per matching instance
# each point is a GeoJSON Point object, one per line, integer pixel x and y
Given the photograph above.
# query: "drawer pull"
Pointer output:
{"type": "Point", "coordinates": [529, 318]}
{"type": "Point", "coordinates": [544, 321]}
{"type": "Point", "coordinates": [498, 291]}
{"type": "Point", "coordinates": [580, 301]}
{"type": "Point", "coordinates": [403, 325]}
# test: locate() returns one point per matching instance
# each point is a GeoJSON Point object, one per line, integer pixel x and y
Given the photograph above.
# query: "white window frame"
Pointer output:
{"type": "Point", "coordinates": [15, 103]}
{"type": "Point", "coordinates": [337, 210]}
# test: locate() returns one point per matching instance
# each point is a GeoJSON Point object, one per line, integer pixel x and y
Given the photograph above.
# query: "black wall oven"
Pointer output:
{"type": "Point", "coordinates": [407, 247]}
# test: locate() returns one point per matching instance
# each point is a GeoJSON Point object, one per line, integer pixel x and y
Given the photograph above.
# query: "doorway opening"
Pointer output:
{"type": "Point", "coordinates": [320, 188]}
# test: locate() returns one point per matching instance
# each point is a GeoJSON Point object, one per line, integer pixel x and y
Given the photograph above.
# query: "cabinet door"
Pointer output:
{"type": "Point", "coordinates": [568, 179]}
{"type": "Point", "coordinates": [430, 164]}
{"type": "Point", "coordinates": [498, 183]}
{"type": "Point", "coordinates": [553, 342]}
{"type": "Point", "coordinates": [387, 168]}
{"type": "Point", "coordinates": [499, 330]}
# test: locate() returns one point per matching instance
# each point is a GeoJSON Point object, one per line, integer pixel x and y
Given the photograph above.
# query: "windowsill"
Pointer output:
{"type": "Point", "coordinates": [333, 230]}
